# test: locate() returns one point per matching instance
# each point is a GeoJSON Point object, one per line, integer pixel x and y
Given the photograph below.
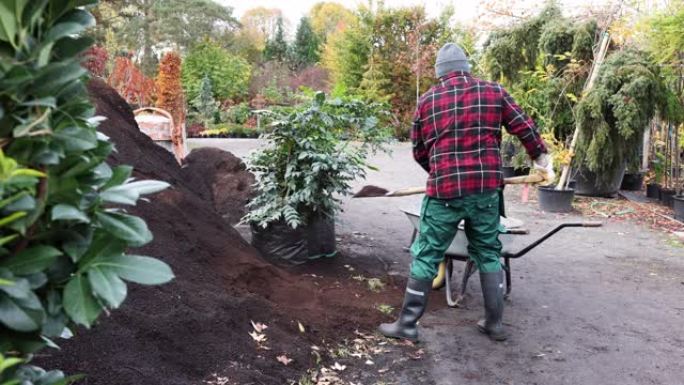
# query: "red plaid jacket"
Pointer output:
{"type": "Point", "coordinates": [456, 135]}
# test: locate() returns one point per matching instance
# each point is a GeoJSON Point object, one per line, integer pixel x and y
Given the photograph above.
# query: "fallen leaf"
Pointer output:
{"type": "Point", "coordinates": [369, 362]}
{"type": "Point", "coordinates": [338, 367]}
{"type": "Point", "coordinates": [406, 343]}
{"type": "Point", "coordinates": [418, 354]}
{"type": "Point", "coordinates": [284, 360]}
{"type": "Point", "coordinates": [259, 327]}
{"type": "Point", "coordinates": [258, 337]}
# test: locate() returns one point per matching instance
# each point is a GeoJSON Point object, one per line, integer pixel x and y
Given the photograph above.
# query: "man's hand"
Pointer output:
{"type": "Point", "coordinates": [544, 164]}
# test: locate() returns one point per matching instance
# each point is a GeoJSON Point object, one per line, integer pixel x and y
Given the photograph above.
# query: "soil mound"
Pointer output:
{"type": "Point", "coordinates": [224, 179]}
{"type": "Point", "coordinates": [197, 326]}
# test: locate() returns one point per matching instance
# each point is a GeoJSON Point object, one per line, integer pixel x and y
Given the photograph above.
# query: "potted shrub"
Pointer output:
{"type": "Point", "coordinates": [658, 165]}
{"type": "Point", "coordinates": [303, 172]}
{"type": "Point", "coordinates": [634, 177]}
{"type": "Point", "coordinates": [667, 196]}
{"type": "Point", "coordinates": [678, 206]}
{"type": "Point", "coordinates": [611, 119]}
{"type": "Point", "coordinates": [552, 199]}
{"type": "Point", "coordinates": [632, 181]}
{"type": "Point", "coordinates": [508, 151]}
{"type": "Point", "coordinates": [678, 203]}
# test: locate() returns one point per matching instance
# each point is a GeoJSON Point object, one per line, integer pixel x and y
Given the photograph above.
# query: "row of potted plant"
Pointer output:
{"type": "Point", "coordinates": [231, 131]}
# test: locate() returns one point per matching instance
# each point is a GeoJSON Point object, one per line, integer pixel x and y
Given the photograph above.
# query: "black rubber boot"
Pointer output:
{"type": "Point", "coordinates": [493, 293]}
{"type": "Point", "coordinates": [415, 301]}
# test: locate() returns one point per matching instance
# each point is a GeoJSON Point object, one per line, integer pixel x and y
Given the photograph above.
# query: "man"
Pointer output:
{"type": "Point", "coordinates": [456, 138]}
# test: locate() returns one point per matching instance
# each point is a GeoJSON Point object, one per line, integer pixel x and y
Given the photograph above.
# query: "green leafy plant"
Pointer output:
{"type": "Point", "coordinates": [312, 159]}
{"type": "Point", "coordinates": [238, 114]}
{"type": "Point", "coordinates": [231, 130]}
{"type": "Point", "coordinates": [229, 74]}
{"type": "Point", "coordinates": [64, 229]}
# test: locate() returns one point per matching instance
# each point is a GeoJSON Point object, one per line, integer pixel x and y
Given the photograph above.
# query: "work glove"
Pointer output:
{"type": "Point", "coordinates": [544, 164]}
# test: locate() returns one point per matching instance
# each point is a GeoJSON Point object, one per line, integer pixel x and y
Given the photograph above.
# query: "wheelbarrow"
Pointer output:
{"type": "Point", "coordinates": [458, 251]}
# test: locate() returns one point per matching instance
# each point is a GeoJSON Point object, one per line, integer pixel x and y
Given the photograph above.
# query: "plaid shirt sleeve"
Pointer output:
{"type": "Point", "coordinates": [519, 124]}
{"type": "Point", "coordinates": [420, 151]}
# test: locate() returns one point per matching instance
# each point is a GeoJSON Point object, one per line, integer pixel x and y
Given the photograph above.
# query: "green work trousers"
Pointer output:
{"type": "Point", "coordinates": [439, 219]}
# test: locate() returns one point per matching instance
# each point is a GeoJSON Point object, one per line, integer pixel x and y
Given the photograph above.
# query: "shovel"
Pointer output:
{"type": "Point", "coordinates": [371, 191]}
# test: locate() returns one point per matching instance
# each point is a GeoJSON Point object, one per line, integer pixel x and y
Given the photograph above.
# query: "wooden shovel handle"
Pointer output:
{"type": "Point", "coordinates": [406, 191]}
{"type": "Point", "coordinates": [534, 178]}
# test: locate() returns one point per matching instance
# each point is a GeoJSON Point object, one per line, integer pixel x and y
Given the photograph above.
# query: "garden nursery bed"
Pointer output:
{"type": "Point", "coordinates": [198, 326]}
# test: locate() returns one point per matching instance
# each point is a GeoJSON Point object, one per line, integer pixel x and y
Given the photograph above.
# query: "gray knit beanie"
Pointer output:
{"type": "Point", "coordinates": [451, 58]}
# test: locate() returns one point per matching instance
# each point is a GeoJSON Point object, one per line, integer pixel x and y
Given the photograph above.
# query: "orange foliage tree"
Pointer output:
{"type": "Point", "coordinates": [95, 60]}
{"type": "Point", "coordinates": [130, 82]}
{"type": "Point", "coordinates": [169, 90]}
{"type": "Point", "coordinates": [170, 96]}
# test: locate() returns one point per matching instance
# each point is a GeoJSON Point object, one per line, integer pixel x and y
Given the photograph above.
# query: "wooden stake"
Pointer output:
{"type": "Point", "coordinates": [593, 73]}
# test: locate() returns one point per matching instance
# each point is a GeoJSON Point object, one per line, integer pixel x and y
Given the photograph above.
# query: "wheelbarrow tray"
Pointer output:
{"type": "Point", "coordinates": [458, 250]}
{"type": "Point", "coordinates": [459, 246]}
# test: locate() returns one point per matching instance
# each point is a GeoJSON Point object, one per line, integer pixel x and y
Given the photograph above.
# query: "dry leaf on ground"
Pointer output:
{"type": "Point", "coordinates": [258, 326]}
{"type": "Point", "coordinates": [283, 359]}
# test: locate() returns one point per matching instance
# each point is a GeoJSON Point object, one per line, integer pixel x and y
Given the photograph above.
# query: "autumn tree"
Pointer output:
{"type": "Point", "coordinates": [131, 83]}
{"type": "Point", "coordinates": [147, 26]}
{"type": "Point", "coordinates": [169, 89]}
{"type": "Point", "coordinates": [346, 53]}
{"type": "Point", "coordinates": [95, 60]}
{"type": "Point", "coordinates": [328, 17]}
{"type": "Point", "coordinates": [262, 21]}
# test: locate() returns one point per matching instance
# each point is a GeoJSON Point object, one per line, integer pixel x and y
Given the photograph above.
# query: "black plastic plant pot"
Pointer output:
{"type": "Point", "coordinates": [508, 171]}
{"type": "Point", "coordinates": [555, 201]}
{"type": "Point", "coordinates": [653, 190]}
{"type": "Point", "coordinates": [632, 181]}
{"type": "Point", "coordinates": [678, 207]}
{"type": "Point", "coordinates": [522, 171]}
{"type": "Point", "coordinates": [590, 184]}
{"type": "Point", "coordinates": [667, 196]}
{"type": "Point", "coordinates": [571, 184]}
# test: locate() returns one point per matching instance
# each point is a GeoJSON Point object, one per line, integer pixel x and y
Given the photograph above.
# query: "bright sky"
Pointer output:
{"type": "Point", "coordinates": [466, 10]}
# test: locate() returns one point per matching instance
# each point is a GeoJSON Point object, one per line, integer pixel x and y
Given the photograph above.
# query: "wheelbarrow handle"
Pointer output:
{"type": "Point", "coordinates": [517, 231]}
{"type": "Point", "coordinates": [548, 235]}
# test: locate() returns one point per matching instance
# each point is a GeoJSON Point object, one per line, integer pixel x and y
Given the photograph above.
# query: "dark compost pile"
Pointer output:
{"type": "Point", "coordinates": [198, 325]}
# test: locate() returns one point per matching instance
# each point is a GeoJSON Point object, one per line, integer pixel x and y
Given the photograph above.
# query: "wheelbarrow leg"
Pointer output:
{"type": "Point", "coordinates": [467, 272]}
{"type": "Point", "coordinates": [448, 289]}
{"type": "Point", "coordinates": [507, 269]}
{"type": "Point", "coordinates": [413, 238]}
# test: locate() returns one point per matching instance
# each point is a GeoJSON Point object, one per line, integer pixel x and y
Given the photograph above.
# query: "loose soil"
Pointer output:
{"type": "Point", "coordinates": [371, 191]}
{"type": "Point", "coordinates": [221, 178]}
{"type": "Point", "coordinates": [197, 327]}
